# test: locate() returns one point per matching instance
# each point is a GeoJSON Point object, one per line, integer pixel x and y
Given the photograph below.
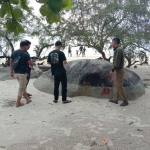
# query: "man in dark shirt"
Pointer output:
{"type": "Point", "coordinates": [118, 73]}
{"type": "Point", "coordinates": [81, 50]}
{"type": "Point", "coordinates": [21, 72]}
{"type": "Point", "coordinates": [84, 50]}
{"type": "Point", "coordinates": [57, 60]}
{"type": "Point", "coordinates": [69, 51]}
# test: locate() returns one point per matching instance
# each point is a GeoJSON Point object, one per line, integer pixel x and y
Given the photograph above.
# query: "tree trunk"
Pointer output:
{"type": "Point", "coordinates": [129, 62]}
{"type": "Point", "coordinates": [104, 56]}
{"type": "Point", "coordinates": [146, 58]}
{"type": "Point", "coordinates": [10, 43]}
{"type": "Point", "coordinates": [45, 46]}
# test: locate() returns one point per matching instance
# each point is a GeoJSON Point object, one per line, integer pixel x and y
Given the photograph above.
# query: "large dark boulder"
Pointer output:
{"type": "Point", "coordinates": [91, 78]}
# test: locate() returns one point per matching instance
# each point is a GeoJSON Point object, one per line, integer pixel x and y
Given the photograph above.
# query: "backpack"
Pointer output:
{"type": "Point", "coordinates": [16, 62]}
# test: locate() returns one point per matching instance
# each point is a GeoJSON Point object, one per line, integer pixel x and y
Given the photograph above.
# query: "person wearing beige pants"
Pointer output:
{"type": "Point", "coordinates": [21, 71]}
{"type": "Point", "coordinates": [118, 86]}
{"type": "Point", "coordinates": [117, 74]}
{"type": "Point", "coordinates": [22, 79]}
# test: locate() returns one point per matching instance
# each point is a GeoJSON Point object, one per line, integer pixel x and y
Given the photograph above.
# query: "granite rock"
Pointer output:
{"type": "Point", "coordinates": [91, 78]}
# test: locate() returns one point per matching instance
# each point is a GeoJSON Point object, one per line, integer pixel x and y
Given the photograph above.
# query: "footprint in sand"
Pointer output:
{"type": "Point", "coordinates": [45, 141]}
{"type": "Point", "coordinates": [113, 131]}
{"type": "Point", "coordinates": [2, 148]}
{"type": "Point", "coordinates": [80, 146]}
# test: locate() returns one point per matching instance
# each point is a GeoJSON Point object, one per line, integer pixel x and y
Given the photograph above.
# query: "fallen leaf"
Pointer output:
{"type": "Point", "coordinates": [105, 140]}
{"type": "Point", "coordinates": [15, 122]}
{"type": "Point", "coordinates": [72, 113]}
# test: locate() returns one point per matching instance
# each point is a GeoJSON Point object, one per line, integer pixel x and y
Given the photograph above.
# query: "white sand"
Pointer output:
{"type": "Point", "coordinates": [42, 125]}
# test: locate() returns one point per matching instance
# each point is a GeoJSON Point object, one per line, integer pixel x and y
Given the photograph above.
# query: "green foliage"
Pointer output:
{"type": "Point", "coordinates": [51, 8]}
{"type": "Point", "coordinates": [23, 4]}
{"type": "Point", "coordinates": [12, 11]}
{"type": "Point", "coordinates": [3, 10]}
{"type": "Point", "coordinates": [55, 5]}
{"type": "Point", "coordinates": [17, 13]}
{"type": "Point", "coordinates": [14, 2]}
{"type": "Point", "coordinates": [12, 15]}
{"type": "Point", "coordinates": [67, 4]}
{"type": "Point", "coordinates": [14, 26]}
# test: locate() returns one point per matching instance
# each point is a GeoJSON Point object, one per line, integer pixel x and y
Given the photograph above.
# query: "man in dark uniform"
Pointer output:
{"type": "Point", "coordinates": [118, 73]}
{"type": "Point", "coordinates": [57, 59]}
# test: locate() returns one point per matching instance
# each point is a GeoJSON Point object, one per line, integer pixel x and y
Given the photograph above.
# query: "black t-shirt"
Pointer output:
{"type": "Point", "coordinates": [69, 49]}
{"type": "Point", "coordinates": [23, 65]}
{"type": "Point", "coordinates": [56, 58]}
{"type": "Point", "coordinates": [81, 48]}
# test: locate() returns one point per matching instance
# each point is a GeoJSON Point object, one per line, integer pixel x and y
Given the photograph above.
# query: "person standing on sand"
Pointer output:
{"type": "Point", "coordinates": [69, 51]}
{"type": "Point", "coordinates": [29, 71]}
{"type": "Point", "coordinates": [21, 72]}
{"type": "Point", "coordinates": [77, 53]}
{"type": "Point", "coordinates": [81, 50]}
{"type": "Point", "coordinates": [84, 50]}
{"type": "Point", "coordinates": [118, 73]}
{"type": "Point", "coordinates": [57, 59]}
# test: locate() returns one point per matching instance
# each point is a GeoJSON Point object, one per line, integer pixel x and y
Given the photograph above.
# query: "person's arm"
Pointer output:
{"type": "Point", "coordinates": [11, 69]}
{"type": "Point", "coordinates": [49, 60]}
{"type": "Point", "coordinates": [64, 58]}
{"type": "Point", "coordinates": [65, 62]}
{"type": "Point", "coordinates": [31, 63]}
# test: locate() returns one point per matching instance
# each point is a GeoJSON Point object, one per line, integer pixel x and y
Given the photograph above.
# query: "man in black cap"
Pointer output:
{"type": "Point", "coordinates": [118, 73]}
{"type": "Point", "coordinates": [57, 59]}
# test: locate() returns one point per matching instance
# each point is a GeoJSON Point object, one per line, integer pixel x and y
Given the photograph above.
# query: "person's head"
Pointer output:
{"type": "Point", "coordinates": [115, 42]}
{"type": "Point", "coordinates": [28, 43]}
{"type": "Point", "coordinates": [25, 45]}
{"type": "Point", "coordinates": [58, 45]}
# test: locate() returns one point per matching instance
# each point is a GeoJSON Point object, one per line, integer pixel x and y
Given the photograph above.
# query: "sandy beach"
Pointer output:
{"type": "Point", "coordinates": [80, 125]}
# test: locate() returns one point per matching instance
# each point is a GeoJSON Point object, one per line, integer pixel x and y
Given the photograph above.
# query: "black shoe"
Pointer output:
{"type": "Point", "coordinates": [124, 103]}
{"type": "Point", "coordinates": [55, 101]}
{"type": "Point", "coordinates": [112, 101]}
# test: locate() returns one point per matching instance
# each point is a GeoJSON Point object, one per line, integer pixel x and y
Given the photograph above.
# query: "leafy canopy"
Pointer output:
{"type": "Point", "coordinates": [12, 11]}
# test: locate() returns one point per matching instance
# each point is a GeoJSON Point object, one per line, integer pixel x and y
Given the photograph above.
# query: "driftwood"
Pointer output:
{"type": "Point", "coordinates": [41, 63]}
{"type": "Point", "coordinates": [44, 68]}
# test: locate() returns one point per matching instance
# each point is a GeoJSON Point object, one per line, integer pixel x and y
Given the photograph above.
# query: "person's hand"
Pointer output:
{"type": "Point", "coordinates": [33, 62]}
{"type": "Point", "coordinates": [111, 74]}
{"type": "Point", "coordinates": [12, 74]}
